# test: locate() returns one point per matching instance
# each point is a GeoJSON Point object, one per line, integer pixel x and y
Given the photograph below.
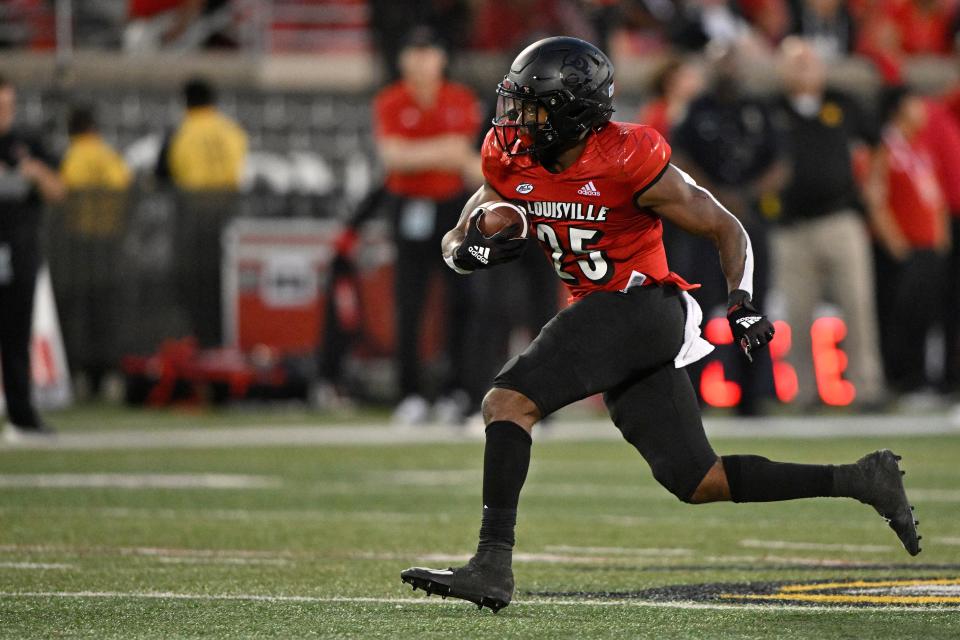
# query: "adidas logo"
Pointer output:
{"type": "Point", "coordinates": [480, 253]}
{"type": "Point", "coordinates": [588, 190]}
{"type": "Point", "coordinates": [746, 322]}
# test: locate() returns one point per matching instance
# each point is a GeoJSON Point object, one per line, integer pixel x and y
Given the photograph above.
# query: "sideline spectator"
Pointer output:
{"type": "Point", "coordinates": [821, 244]}
{"type": "Point", "coordinates": [27, 181]}
{"type": "Point", "coordinates": [892, 30]}
{"type": "Point", "coordinates": [909, 215]}
{"type": "Point", "coordinates": [675, 85]}
{"type": "Point", "coordinates": [509, 26]}
{"type": "Point", "coordinates": [209, 150]}
{"type": "Point", "coordinates": [205, 159]}
{"type": "Point", "coordinates": [391, 21]}
{"type": "Point", "coordinates": [425, 126]}
{"type": "Point", "coordinates": [728, 144]}
{"type": "Point", "coordinates": [89, 162]}
{"type": "Point", "coordinates": [771, 19]}
{"type": "Point", "coordinates": [942, 136]}
{"type": "Point", "coordinates": [93, 217]}
{"type": "Point", "coordinates": [699, 23]}
{"type": "Point", "coordinates": [826, 24]}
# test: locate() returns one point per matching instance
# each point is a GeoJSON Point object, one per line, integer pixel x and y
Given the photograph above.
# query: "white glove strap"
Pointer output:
{"type": "Point", "coordinates": [450, 263]}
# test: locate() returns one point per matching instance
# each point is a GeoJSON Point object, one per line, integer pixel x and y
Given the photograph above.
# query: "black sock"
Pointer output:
{"type": "Point", "coordinates": [756, 479]}
{"type": "Point", "coordinates": [848, 481]}
{"type": "Point", "coordinates": [506, 459]}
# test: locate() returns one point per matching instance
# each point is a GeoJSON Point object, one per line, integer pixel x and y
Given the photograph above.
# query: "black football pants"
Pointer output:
{"type": "Point", "coordinates": [418, 260]}
{"type": "Point", "coordinates": [623, 345]}
{"type": "Point", "coordinates": [16, 318]}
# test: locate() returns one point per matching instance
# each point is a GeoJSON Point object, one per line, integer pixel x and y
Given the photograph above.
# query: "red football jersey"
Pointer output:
{"type": "Point", "coordinates": [585, 216]}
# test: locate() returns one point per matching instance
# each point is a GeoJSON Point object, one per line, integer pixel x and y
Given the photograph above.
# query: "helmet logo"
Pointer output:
{"type": "Point", "coordinates": [610, 91]}
{"type": "Point", "coordinates": [575, 70]}
{"type": "Point", "coordinates": [524, 188]}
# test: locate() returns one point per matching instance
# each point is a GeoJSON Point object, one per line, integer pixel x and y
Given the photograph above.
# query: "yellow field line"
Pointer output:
{"type": "Point", "coordinates": [841, 598]}
{"type": "Point", "coordinates": [868, 584]}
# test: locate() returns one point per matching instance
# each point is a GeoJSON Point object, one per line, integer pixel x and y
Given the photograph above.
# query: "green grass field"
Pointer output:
{"type": "Point", "coordinates": [309, 541]}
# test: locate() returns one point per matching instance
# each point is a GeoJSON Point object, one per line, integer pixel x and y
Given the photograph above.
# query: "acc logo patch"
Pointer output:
{"type": "Point", "coordinates": [524, 187]}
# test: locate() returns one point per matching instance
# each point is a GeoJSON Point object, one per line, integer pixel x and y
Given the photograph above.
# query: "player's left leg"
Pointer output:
{"type": "Point", "coordinates": [658, 414]}
{"type": "Point", "coordinates": [487, 579]}
{"type": "Point", "coordinates": [588, 347]}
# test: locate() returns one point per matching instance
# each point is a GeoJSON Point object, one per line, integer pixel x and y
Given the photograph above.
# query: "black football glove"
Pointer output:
{"type": "Point", "coordinates": [751, 329]}
{"type": "Point", "coordinates": [479, 252]}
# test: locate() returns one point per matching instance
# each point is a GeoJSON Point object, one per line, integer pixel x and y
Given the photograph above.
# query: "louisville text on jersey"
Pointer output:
{"type": "Point", "coordinates": [568, 211]}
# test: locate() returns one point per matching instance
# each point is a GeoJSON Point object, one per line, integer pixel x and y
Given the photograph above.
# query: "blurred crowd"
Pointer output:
{"type": "Point", "coordinates": [852, 201]}
{"type": "Point", "coordinates": [885, 30]}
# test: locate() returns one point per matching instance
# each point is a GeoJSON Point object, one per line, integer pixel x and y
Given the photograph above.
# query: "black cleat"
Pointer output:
{"type": "Point", "coordinates": [876, 480]}
{"type": "Point", "coordinates": [486, 580]}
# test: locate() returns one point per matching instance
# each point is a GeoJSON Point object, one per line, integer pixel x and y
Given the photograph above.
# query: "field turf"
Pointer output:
{"type": "Point", "coordinates": [308, 541]}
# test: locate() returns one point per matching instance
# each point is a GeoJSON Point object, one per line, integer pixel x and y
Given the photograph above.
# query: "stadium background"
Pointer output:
{"type": "Point", "coordinates": [299, 77]}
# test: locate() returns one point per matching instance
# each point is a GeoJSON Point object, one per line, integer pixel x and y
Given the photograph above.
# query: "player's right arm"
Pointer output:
{"type": "Point", "coordinates": [466, 249]}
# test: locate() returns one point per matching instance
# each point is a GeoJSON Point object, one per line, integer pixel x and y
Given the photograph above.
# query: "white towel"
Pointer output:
{"type": "Point", "coordinates": [694, 347]}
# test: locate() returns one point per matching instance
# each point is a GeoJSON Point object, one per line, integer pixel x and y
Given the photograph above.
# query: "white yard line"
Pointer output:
{"type": "Point", "coordinates": [164, 595]}
{"type": "Point", "coordinates": [574, 430]}
{"type": "Point", "coordinates": [775, 561]}
{"type": "Point", "coordinates": [34, 565]}
{"type": "Point", "coordinates": [158, 552]}
{"type": "Point", "coordinates": [275, 562]}
{"type": "Point", "coordinates": [323, 515]}
{"type": "Point", "coordinates": [814, 546]}
{"type": "Point", "coordinates": [425, 477]}
{"type": "Point", "coordinates": [934, 495]}
{"type": "Point", "coordinates": [137, 481]}
{"type": "Point", "coordinates": [626, 551]}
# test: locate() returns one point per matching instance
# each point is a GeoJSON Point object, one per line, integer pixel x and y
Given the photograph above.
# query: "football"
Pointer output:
{"type": "Point", "coordinates": [497, 216]}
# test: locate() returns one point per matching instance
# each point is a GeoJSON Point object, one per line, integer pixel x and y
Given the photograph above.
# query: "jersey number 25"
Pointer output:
{"type": "Point", "coordinates": [593, 263]}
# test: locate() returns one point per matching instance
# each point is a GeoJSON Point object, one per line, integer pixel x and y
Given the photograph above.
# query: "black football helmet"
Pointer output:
{"type": "Point", "coordinates": [572, 81]}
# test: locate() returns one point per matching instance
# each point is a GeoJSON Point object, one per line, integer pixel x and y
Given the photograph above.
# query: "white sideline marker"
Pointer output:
{"type": "Point", "coordinates": [138, 481]}
{"type": "Point", "coordinates": [814, 546]}
{"type": "Point", "coordinates": [34, 565]}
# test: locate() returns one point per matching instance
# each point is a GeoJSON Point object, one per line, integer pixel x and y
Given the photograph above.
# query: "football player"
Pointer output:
{"type": "Point", "coordinates": [595, 192]}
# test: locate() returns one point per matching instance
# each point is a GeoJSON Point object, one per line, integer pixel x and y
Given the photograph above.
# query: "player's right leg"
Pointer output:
{"type": "Point", "coordinates": [658, 414]}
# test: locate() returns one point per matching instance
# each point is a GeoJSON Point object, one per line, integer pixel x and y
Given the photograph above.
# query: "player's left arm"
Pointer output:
{"type": "Point", "coordinates": [678, 198]}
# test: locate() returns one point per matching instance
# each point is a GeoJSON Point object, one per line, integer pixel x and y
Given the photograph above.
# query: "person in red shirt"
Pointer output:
{"type": "Point", "coordinates": [892, 30]}
{"type": "Point", "coordinates": [596, 192]}
{"type": "Point", "coordinates": [909, 215]}
{"type": "Point", "coordinates": [941, 135]}
{"type": "Point", "coordinates": [425, 126]}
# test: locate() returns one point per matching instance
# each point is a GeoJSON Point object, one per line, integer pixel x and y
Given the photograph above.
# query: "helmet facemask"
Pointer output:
{"type": "Point", "coordinates": [524, 122]}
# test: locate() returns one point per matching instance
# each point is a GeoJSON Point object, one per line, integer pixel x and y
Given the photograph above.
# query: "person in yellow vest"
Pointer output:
{"type": "Point", "coordinates": [91, 163]}
{"type": "Point", "coordinates": [208, 151]}
{"type": "Point", "coordinates": [93, 220]}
